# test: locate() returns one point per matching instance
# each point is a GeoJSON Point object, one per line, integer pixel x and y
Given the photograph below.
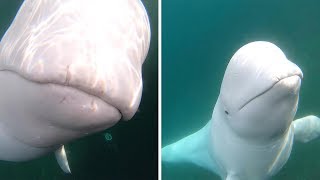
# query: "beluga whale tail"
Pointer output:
{"type": "Point", "coordinates": [251, 132]}
{"type": "Point", "coordinates": [68, 69]}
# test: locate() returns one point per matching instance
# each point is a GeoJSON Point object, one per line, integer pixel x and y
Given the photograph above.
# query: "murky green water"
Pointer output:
{"type": "Point", "coordinates": [131, 153]}
{"type": "Point", "coordinates": [198, 40]}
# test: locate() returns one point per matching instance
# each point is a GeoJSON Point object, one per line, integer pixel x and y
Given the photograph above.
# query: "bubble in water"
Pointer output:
{"type": "Point", "coordinates": [107, 136]}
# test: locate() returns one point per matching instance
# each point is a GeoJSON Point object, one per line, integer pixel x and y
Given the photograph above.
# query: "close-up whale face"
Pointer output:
{"type": "Point", "coordinates": [95, 47]}
{"type": "Point", "coordinates": [79, 64]}
{"type": "Point", "coordinates": [260, 91]}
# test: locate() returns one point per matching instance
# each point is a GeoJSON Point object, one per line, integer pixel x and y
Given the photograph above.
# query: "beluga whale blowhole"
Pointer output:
{"type": "Point", "coordinates": [68, 69]}
{"type": "Point", "coordinates": [252, 130]}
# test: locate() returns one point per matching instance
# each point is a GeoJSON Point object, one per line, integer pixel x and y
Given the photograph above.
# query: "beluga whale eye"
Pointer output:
{"type": "Point", "coordinates": [226, 112]}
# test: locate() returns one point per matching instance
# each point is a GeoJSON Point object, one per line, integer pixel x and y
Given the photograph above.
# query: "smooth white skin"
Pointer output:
{"type": "Point", "coordinates": [251, 132]}
{"type": "Point", "coordinates": [67, 69]}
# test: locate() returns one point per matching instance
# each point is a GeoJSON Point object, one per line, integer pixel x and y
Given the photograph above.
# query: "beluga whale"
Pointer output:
{"type": "Point", "coordinates": [69, 69]}
{"type": "Point", "coordinates": [252, 129]}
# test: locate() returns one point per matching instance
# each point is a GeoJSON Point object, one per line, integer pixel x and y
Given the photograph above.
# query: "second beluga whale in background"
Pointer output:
{"type": "Point", "coordinates": [251, 132]}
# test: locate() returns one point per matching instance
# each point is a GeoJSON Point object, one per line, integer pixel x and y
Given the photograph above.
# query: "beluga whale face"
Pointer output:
{"type": "Point", "coordinates": [260, 90]}
{"type": "Point", "coordinates": [69, 68]}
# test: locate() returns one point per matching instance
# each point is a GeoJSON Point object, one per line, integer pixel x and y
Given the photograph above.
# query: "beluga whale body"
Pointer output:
{"type": "Point", "coordinates": [68, 69]}
{"type": "Point", "coordinates": [251, 132]}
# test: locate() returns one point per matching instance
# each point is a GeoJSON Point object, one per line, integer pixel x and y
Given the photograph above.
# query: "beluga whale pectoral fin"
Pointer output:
{"type": "Point", "coordinates": [307, 128]}
{"type": "Point", "coordinates": [191, 149]}
{"type": "Point", "coordinates": [62, 159]}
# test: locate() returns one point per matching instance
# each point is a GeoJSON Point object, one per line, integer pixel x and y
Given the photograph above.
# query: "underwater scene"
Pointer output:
{"type": "Point", "coordinates": [198, 40]}
{"type": "Point", "coordinates": [126, 151]}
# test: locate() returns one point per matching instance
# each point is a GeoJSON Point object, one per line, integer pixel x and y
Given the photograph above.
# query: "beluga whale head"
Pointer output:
{"type": "Point", "coordinates": [259, 92]}
{"type": "Point", "coordinates": [69, 68]}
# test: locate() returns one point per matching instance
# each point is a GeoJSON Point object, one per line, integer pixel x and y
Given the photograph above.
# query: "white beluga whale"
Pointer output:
{"type": "Point", "coordinates": [251, 132]}
{"type": "Point", "coordinates": [68, 69]}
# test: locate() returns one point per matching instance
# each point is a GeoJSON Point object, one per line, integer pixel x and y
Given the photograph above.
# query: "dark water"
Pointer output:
{"type": "Point", "coordinates": [132, 152]}
{"type": "Point", "coordinates": [198, 40]}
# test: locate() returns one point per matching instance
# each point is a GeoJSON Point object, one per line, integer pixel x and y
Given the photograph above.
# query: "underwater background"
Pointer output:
{"type": "Point", "coordinates": [198, 40]}
{"type": "Point", "coordinates": [127, 151]}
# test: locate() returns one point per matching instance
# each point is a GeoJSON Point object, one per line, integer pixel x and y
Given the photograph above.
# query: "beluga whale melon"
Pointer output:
{"type": "Point", "coordinates": [68, 69]}
{"type": "Point", "coordinates": [252, 129]}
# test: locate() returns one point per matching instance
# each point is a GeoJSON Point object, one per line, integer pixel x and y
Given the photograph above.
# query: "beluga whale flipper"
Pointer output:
{"type": "Point", "coordinates": [68, 69]}
{"type": "Point", "coordinates": [251, 132]}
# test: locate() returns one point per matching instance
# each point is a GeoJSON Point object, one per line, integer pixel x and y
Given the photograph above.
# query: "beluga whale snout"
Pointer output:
{"type": "Point", "coordinates": [251, 132]}
{"type": "Point", "coordinates": [68, 69]}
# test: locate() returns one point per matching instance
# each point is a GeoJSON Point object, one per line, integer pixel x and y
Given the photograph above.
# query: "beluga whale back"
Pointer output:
{"type": "Point", "coordinates": [251, 132]}
{"type": "Point", "coordinates": [68, 69]}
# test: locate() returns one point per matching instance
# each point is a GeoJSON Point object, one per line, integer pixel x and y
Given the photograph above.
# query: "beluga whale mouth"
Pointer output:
{"type": "Point", "coordinates": [292, 83]}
